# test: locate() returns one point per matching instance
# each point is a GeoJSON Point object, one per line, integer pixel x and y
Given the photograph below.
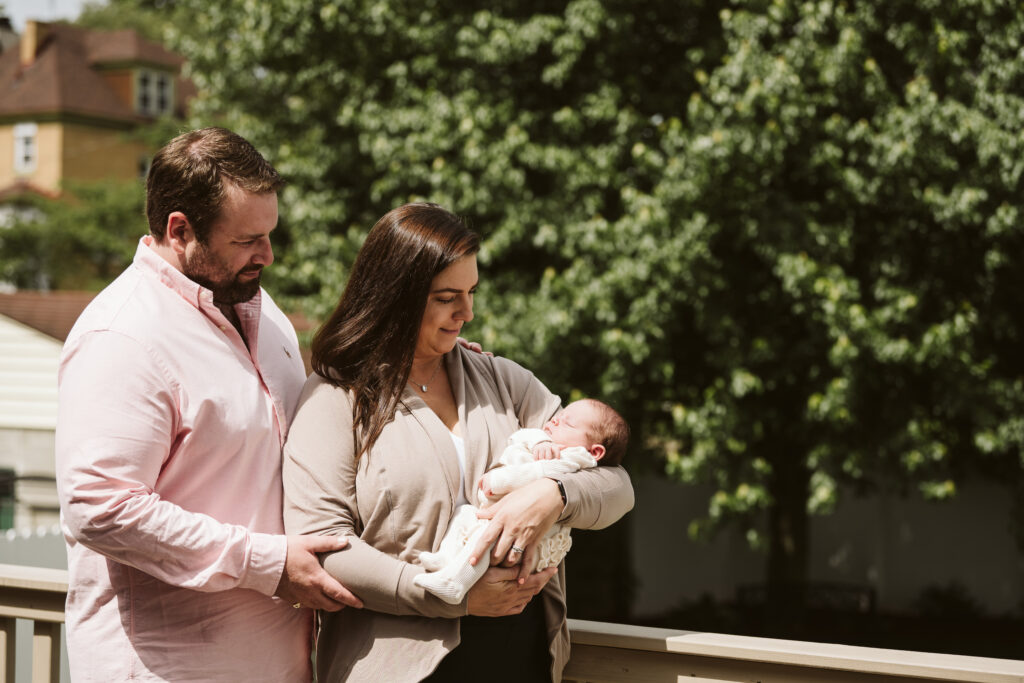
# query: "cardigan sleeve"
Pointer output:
{"type": "Point", "coordinates": [319, 475]}
{"type": "Point", "coordinates": [596, 497]}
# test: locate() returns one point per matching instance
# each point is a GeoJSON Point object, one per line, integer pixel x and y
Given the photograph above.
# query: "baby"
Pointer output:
{"type": "Point", "coordinates": [586, 433]}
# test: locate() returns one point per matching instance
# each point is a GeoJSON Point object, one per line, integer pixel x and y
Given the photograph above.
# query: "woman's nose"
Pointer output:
{"type": "Point", "coordinates": [466, 311]}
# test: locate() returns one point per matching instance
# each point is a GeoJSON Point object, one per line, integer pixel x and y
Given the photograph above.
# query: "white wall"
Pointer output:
{"type": "Point", "coordinates": [669, 567]}
{"type": "Point", "coordinates": [899, 547]}
{"type": "Point", "coordinates": [28, 417]}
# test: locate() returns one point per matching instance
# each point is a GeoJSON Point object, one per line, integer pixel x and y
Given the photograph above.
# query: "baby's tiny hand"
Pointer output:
{"type": "Point", "coordinates": [546, 450]}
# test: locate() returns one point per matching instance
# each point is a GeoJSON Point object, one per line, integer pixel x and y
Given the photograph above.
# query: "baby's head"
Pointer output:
{"type": "Point", "coordinates": [593, 425]}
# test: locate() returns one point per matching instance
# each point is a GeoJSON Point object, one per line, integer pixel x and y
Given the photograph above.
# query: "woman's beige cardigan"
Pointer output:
{"type": "Point", "coordinates": [397, 501]}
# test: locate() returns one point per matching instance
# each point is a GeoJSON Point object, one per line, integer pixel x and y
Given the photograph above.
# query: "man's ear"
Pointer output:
{"type": "Point", "coordinates": [597, 450]}
{"type": "Point", "coordinates": [179, 232]}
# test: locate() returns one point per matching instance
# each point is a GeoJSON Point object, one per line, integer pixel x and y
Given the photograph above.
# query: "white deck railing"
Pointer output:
{"type": "Point", "coordinates": [613, 653]}
{"type": "Point", "coordinates": [38, 595]}
{"type": "Point", "coordinates": [601, 652]}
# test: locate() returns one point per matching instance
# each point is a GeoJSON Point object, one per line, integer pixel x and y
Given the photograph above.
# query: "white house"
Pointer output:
{"type": "Point", "coordinates": [28, 417]}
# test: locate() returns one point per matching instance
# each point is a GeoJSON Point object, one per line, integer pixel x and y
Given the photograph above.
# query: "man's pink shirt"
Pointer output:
{"type": "Point", "coordinates": [169, 473]}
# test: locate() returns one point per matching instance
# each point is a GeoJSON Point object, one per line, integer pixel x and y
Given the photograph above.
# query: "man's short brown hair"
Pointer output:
{"type": "Point", "coordinates": [191, 172]}
{"type": "Point", "coordinates": [611, 431]}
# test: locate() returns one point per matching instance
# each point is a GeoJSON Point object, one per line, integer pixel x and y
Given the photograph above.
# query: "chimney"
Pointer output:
{"type": "Point", "coordinates": [31, 39]}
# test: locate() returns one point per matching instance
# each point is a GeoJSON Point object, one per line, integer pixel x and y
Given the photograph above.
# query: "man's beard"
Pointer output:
{"type": "Point", "coordinates": [205, 269]}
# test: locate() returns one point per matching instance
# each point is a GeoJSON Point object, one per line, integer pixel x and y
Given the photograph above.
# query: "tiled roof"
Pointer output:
{"type": "Point", "coordinates": [128, 46]}
{"type": "Point", "coordinates": [62, 77]}
{"type": "Point", "coordinates": [20, 188]}
{"type": "Point", "coordinates": [52, 313]}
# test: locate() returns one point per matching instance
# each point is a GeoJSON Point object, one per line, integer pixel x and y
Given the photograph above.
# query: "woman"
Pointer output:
{"type": "Point", "coordinates": [393, 431]}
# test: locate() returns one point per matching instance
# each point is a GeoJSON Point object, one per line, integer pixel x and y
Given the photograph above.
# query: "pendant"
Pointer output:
{"type": "Point", "coordinates": [423, 388]}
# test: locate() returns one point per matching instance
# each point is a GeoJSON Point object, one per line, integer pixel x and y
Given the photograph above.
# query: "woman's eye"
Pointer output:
{"type": "Point", "coordinates": [446, 301]}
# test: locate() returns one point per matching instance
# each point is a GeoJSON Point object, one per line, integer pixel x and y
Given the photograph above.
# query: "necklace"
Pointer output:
{"type": "Point", "coordinates": [423, 387]}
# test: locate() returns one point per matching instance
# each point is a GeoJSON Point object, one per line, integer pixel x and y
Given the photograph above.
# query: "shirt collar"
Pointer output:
{"type": "Point", "coordinates": [149, 261]}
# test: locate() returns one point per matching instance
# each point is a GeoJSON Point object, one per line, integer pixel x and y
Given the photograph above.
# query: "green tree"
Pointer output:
{"type": "Point", "coordinates": [80, 242]}
{"type": "Point", "coordinates": [855, 171]}
{"type": "Point", "coordinates": [150, 18]}
{"type": "Point", "coordinates": [784, 236]}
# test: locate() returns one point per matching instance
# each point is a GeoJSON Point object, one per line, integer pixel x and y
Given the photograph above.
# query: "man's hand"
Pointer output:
{"type": "Point", "coordinates": [304, 582]}
{"type": "Point", "coordinates": [472, 346]}
{"type": "Point", "coordinates": [498, 593]}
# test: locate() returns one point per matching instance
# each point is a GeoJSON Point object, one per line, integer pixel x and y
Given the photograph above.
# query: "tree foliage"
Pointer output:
{"type": "Point", "coordinates": [150, 18]}
{"type": "Point", "coordinates": [784, 236]}
{"type": "Point", "coordinates": [80, 242]}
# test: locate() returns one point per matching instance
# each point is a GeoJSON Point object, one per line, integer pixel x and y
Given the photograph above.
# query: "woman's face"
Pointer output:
{"type": "Point", "coordinates": [449, 307]}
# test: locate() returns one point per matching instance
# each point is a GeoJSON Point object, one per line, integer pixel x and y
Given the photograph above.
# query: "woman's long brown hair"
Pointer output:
{"type": "Point", "coordinates": [367, 344]}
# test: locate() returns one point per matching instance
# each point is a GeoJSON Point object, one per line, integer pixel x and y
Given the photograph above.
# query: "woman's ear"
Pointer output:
{"type": "Point", "coordinates": [597, 450]}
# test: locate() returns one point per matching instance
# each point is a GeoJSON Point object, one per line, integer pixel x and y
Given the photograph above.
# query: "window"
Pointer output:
{"type": "Point", "coordinates": [154, 92]}
{"type": "Point", "coordinates": [163, 93]}
{"type": "Point", "coordinates": [25, 152]}
{"type": "Point", "coordinates": [145, 92]}
{"type": "Point", "coordinates": [6, 499]}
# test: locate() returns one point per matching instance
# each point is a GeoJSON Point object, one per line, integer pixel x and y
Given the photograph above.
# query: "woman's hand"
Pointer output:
{"type": "Point", "coordinates": [499, 593]}
{"type": "Point", "coordinates": [518, 521]}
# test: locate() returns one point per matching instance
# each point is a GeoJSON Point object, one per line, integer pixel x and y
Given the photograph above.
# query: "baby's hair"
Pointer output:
{"type": "Point", "coordinates": [611, 431]}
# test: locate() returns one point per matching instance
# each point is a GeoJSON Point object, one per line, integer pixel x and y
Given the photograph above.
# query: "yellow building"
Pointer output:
{"type": "Point", "coordinates": [69, 99]}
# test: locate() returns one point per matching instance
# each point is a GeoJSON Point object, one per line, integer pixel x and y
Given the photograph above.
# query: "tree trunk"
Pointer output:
{"type": "Point", "coordinates": [788, 552]}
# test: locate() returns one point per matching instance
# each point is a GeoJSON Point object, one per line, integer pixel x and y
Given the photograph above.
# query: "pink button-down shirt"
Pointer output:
{"type": "Point", "coordinates": [168, 468]}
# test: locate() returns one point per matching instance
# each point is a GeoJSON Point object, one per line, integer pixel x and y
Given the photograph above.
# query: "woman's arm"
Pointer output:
{"type": "Point", "coordinates": [596, 497]}
{"type": "Point", "coordinates": [319, 475]}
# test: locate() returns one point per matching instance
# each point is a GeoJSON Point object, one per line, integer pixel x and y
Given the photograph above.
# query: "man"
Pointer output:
{"type": "Point", "coordinates": [177, 386]}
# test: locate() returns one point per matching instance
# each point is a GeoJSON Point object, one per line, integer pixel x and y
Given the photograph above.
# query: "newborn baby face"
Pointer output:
{"type": "Point", "coordinates": [572, 426]}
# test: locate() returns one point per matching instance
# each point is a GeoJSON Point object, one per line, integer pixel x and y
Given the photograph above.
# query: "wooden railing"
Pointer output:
{"type": "Point", "coordinates": [614, 653]}
{"type": "Point", "coordinates": [601, 652]}
{"type": "Point", "coordinates": [38, 595]}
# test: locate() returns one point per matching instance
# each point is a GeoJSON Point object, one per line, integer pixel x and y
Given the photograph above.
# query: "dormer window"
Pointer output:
{"type": "Point", "coordinates": [154, 92]}
{"type": "Point", "coordinates": [163, 93]}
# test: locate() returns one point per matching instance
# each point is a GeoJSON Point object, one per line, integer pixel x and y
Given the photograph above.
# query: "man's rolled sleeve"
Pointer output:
{"type": "Point", "coordinates": [266, 563]}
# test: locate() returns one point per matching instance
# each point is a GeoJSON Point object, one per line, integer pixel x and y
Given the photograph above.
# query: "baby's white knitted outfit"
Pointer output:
{"type": "Point", "coordinates": [450, 576]}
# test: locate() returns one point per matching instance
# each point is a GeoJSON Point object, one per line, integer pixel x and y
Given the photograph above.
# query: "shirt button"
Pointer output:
{"type": "Point", "coordinates": [223, 327]}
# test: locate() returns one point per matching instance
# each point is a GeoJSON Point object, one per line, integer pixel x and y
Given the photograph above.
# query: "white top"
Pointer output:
{"type": "Point", "coordinates": [460, 451]}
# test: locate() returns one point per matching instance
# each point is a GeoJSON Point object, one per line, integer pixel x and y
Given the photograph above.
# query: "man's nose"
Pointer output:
{"type": "Point", "coordinates": [265, 255]}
